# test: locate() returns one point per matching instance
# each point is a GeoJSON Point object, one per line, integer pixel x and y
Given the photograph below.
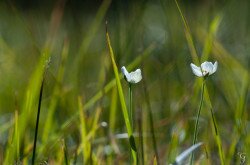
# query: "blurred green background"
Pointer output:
{"type": "Point", "coordinates": [72, 33]}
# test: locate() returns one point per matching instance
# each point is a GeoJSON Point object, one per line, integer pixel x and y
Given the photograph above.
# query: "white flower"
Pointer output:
{"type": "Point", "coordinates": [206, 69]}
{"type": "Point", "coordinates": [132, 77]}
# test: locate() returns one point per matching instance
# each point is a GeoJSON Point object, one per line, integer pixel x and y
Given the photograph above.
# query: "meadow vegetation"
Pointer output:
{"type": "Point", "coordinates": [64, 61]}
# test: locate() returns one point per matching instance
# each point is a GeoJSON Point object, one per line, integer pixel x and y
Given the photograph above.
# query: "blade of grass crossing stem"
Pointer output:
{"type": "Point", "coordinates": [207, 102]}
{"type": "Point", "coordinates": [85, 143]}
{"type": "Point", "coordinates": [122, 99]}
{"type": "Point", "coordinates": [37, 122]}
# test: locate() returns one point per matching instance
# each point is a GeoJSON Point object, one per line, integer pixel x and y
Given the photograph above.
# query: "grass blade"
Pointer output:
{"type": "Point", "coordinates": [122, 99]}
{"type": "Point", "coordinates": [37, 122]}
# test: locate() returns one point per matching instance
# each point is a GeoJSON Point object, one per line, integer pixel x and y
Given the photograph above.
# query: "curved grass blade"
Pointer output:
{"type": "Point", "coordinates": [37, 121]}
{"type": "Point", "coordinates": [122, 99]}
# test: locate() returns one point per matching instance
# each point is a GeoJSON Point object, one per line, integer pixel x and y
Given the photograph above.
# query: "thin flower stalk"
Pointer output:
{"type": "Point", "coordinates": [197, 120]}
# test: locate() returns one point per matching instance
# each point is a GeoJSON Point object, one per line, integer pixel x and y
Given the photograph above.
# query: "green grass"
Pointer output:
{"type": "Point", "coordinates": [84, 115]}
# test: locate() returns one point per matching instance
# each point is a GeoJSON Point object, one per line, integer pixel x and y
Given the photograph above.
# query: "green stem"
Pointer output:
{"type": "Point", "coordinates": [37, 122]}
{"type": "Point", "coordinates": [130, 105]}
{"type": "Point", "coordinates": [197, 120]}
{"type": "Point", "coordinates": [130, 112]}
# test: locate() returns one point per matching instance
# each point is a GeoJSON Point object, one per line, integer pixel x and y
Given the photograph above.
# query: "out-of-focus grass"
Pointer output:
{"type": "Point", "coordinates": [80, 93]}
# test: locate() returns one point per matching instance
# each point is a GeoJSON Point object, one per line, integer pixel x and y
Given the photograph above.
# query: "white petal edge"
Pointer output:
{"type": "Point", "coordinates": [196, 70]}
{"type": "Point", "coordinates": [124, 71]}
{"type": "Point", "coordinates": [207, 67]}
{"type": "Point", "coordinates": [215, 66]}
{"type": "Point", "coordinates": [135, 76]}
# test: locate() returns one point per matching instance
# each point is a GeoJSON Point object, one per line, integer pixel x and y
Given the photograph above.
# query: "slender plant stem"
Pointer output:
{"type": "Point", "coordinates": [37, 122]}
{"type": "Point", "coordinates": [197, 120]}
{"type": "Point", "coordinates": [130, 106]}
{"type": "Point", "coordinates": [130, 111]}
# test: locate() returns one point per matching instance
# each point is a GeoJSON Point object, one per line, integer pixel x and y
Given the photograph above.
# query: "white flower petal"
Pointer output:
{"type": "Point", "coordinates": [207, 67]}
{"type": "Point", "coordinates": [215, 66]}
{"type": "Point", "coordinates": [124, 71]}
{"type": "Point", "coordinates": [133, 77]}
{"type": "Point", "coordinates": [196, 70]}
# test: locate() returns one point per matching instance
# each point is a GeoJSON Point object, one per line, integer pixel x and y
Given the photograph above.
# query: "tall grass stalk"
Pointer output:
{"type": "Point", "coordinates": [122, 99]}
{"type": "Point", "coordinates": [37, 122]}
{"type": "Point", "coordinates": [197, 120]}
